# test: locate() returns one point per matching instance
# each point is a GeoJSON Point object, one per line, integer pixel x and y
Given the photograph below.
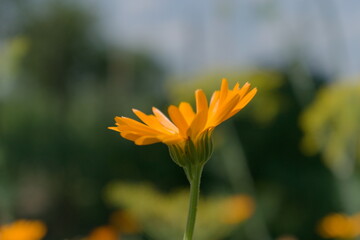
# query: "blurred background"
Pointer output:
{"type": "Point", "coordinates": [286, 167]}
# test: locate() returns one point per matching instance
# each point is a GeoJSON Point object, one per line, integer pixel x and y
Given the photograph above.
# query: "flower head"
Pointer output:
{"type": "Point", "coordinates": [185, 123]}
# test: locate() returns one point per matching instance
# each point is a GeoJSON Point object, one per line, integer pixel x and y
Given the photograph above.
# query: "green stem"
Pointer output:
{"type": "Point", "coordinates": [193, 201]}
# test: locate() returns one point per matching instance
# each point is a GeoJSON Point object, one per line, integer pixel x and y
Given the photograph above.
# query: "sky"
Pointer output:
{"type": "Point", "coordinates": [194, 36]}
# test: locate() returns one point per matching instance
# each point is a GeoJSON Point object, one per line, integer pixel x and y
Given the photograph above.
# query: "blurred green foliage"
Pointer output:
{"type": "Point", "coordinates": [67, 87]}
{"type": "Point", "coordinates": [11, 53]}
{"type": "Point", "coordinates": [162, 216]}
{"type": "Point", "coordinates": [331, 125]}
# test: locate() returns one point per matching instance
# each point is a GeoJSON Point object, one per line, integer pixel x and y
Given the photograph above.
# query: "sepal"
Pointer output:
{"type": "Point", "coordinates": [193, 153]}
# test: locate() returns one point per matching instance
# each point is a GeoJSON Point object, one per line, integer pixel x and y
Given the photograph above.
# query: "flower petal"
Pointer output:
{"type": "Point", "coordinates": [198, 125]}
{"type": "Point", "coordinates": [130, 136]}
{"type": "Point", "coordinates": [223, 113]}
{"type": "Point", "coordinates": [178, 119]}
{"type": "Point", "coordinates": [146, 140]}
{"type": "Point", "coordinates": [236, 87]}
{"type": "Point", "coordinates": [114, 128]}
{"type": "Point", "coordinates": [244, 90]}
{"type": "Point", "coordinates": [175, 139]}
{"type": "Point", "coordinates": [130, 125]}
{"type": "Point", "coordinates": [201, 101]}
{"type": "Point", "coordinates": [244, 101]}
{"type": "Point", "coordinates": [151, 121]}
{"type": "Point", "coordinates": [214, 98]}
{"type": "Point", "coordinates": [164, 120]}
{"type": "Point", "coordinates": [214, 103]}
{"type": "Point", "coordinates": [187, 111]}
{"type": "Point", "coordinates": [223, 90]}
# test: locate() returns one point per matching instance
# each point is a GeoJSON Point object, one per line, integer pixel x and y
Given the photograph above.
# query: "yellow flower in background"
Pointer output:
{"type": "Point", "coordinates": [23, 230]}
{"type": "Point", "coordinates": [237, 208]}
{"type": "Point", "coordinates": [125, 222]}
{"type": "Point", "coordinates": [338, 225]}
{"type": "Point", "coordinates": [184, 122]}
{"type": "Point", "coordinates": [103, 233]}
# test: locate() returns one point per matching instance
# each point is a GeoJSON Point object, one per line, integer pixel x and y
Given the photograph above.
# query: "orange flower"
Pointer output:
{"type": "Point", "coordinates": [103, 233]}
{"type": "Point", "coordinates": [23, 230]}
{"type": "Point", "coordinates": [237, 208]}
{"type": "Point", "coordinates": [338, 225]}
{"type": "Point", "coordinates": [188, 133]}
{"type": "Point", "coordinates": [184, 122]}
{"type": "Point", "coordinates": [125, 222]}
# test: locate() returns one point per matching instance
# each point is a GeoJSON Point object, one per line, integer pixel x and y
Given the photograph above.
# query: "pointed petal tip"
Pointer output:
{"type": "Point", "coordinates": [155, 110]}
{"type": "Point", "coordinates": [224, 82]}
{"type": "Point", "coordinates": [253, 91]}
{"type": "Point", "coordinates": [113, 128]}
{"type": "Point", "coordinates": [246, 85]}
{"type": "Point", "coordinates": [119, 119]}
{"type": "Point", "coordinates": [236, 87]}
